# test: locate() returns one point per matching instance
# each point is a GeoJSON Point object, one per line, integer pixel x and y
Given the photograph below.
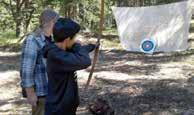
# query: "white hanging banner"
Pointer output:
{"type": "Point", "coordinates": [168, 25]}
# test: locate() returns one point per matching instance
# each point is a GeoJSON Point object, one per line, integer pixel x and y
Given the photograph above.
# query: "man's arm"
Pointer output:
{"type": "Point", "coordinates": [28, 62]}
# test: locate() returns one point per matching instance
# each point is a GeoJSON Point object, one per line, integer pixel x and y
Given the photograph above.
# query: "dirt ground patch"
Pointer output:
{"type": "Point", "coordinates": [133, 84]}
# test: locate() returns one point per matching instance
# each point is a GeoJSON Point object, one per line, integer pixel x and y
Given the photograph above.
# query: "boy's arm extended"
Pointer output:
{"type": "Point", "coordinates": [71, 61]}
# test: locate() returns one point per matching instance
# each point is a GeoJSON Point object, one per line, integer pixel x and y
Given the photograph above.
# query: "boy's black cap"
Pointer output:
{"type": "Point", "coordinates": [64, 28]}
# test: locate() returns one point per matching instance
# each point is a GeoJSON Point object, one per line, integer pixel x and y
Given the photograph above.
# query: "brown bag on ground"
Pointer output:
{"type": "Point", "coordinates": [100, 107]}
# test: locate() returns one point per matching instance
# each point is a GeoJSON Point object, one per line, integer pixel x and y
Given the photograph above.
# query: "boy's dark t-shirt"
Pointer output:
{"type": "Point", "coordinates": [48, 39]}
{"type": "Point", "coordinates": [62, 65]}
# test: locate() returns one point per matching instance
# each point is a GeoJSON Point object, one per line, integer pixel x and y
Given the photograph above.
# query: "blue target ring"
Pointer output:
{"type": "Point", "coordinates": [148, 46]}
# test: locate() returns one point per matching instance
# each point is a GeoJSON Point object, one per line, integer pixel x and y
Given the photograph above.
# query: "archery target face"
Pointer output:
{"type": "Point", "coordinates": [147, 46]}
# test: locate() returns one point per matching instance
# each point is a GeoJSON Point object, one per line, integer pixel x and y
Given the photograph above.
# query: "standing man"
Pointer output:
{"type": "Point", "coordinates": [33, 67]}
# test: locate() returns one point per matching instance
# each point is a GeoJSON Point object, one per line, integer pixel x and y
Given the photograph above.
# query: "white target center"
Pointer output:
{"type": "Point", "coordinates": [147, 46]}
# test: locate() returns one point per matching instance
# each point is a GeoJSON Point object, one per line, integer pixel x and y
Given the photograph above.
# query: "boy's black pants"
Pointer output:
{"type": "Point", "coordinates": [50, 111]}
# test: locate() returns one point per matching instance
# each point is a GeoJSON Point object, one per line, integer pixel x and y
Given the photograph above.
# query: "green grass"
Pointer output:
{"type": "Point", "coordinates": [9, 42]}
{"type": "Point", "coordinates": [110, 31]}
{"type": "Point", "coordinates": [111, 39]}
{"type": "Point", "coordinates": [110, 44]}
{"type": "Point", "coordinates": [7, 37]}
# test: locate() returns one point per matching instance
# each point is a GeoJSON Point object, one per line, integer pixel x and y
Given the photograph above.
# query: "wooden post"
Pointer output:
{"type": "Point", "coordinates": [98, 41]}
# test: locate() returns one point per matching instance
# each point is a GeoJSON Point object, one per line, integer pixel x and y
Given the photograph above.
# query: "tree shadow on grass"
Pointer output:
{"type": "Point", "coordinates": [13, 47]}
{"type": "Point", "coordinates": [9, 63]}
{"type": "Point", "coordinates": [158, 57]}
{"type": "Point", "coordinates": [128, 69]}
{"type": "Point", "coordinates": [137, 97]}
{"type": "Point", "coordinates": [119, 61]}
